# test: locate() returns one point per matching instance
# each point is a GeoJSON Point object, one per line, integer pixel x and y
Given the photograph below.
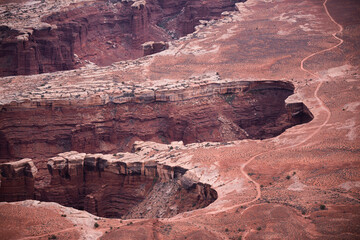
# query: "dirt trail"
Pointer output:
{"type": "Point", "coordinates": [257, 185]}
{"type": "Point", "coordinates": [320, 102]}
{"type": "Point", "coordinates": [49, 234]}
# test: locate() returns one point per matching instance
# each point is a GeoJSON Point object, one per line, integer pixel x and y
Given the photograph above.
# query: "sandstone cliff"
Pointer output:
{"type": "Point", "coordinates": [95, 32]}
{"type": "Point", "coordinates": [17, 180]}
{"type": "Point", "coordinates": [127, 185]}
{"type": "Point", "coordinates": [101, 32]}
{"type": "Point", "coordinates": [196, 110]}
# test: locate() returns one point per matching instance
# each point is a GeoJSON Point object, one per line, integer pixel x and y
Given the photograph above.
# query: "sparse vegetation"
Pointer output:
{"type": "Point", "coordinates": [96, 225]}
{"type": "Point", "coordinates": [63, 215]}
{"type": "Point", "coordinates": [258, 228]}
{"type": "Point", "coordinates": [322, 207]}
{"type": "Point", "coordinates": [288, 177]}
{"type": "Point", "coordinates": [229, 97]}
{"type": "Point", "coordinates": [52, 237]}
{"type": "Point", "coordinates": [155, 179]}
{"type": "Point", "coordinates": [226, 230]}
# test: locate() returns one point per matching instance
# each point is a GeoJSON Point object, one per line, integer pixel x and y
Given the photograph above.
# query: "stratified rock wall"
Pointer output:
{"type": "Point", "coordinates": [37, 51]}
{"type": "Point", "coordinates": [96, 32]}
{"type": "Point", "coordinates": [17, 180]}
{"type": "Point", "coordinates": [101, 32]}
{"type": "Point", "coordinates": [121, 185]}
{"type": "Point", "coordinates": [205, 111]}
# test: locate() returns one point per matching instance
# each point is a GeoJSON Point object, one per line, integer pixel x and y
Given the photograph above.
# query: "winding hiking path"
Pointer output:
{"type": "Point", "coordinates": [321, 103]}
{"type": "Point", "coordinates": [316, 131]}
{"type": "Point", "coordinates": [243, 166]}
{"type": "Point", "coordinates": [49, 234]}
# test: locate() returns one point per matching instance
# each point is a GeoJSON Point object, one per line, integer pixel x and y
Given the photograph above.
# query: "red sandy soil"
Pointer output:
{"type": "Point", "coordinates": [20, 222]}
{"type": "Point", "coordinates": [274, 188]}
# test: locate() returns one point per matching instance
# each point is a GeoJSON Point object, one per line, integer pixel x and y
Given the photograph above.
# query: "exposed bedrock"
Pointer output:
{"type": "Point", "coordinates": [96, 32]}
{"type": "Point", "coordinates": [102, 32]}
{"type": "Point", "coordinates": [185, 111]}
{"type": "Point", "coordinates": [124, 185]}
{"type": "Point", "coordinates": [17, 180]}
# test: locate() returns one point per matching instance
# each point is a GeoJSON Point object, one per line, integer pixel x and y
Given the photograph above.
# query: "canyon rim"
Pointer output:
{"type": "Point", "coordinates": [152, 119]}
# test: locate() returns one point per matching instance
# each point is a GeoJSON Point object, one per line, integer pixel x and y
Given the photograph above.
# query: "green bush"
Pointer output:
{"type": "Point", "coordinates": [96, 225]}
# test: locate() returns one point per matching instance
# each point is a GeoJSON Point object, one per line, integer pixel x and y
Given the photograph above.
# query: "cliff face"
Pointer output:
{"type": "Point", "coordinates": [182, 19]}
{"type": "Point", "coordinates": [40, 50]}
{"type": "Point", "coordinates": [104, 33]}
{"type": "Point", "coordinates": [17, 180]}
{"type": "Point", "coordinates": [123, 185]}
{"type": "Point", "coordinates": [189, 111]}
{"type": "Point", "coordinates": [101, 32]}
{"type": "Point", "coordinates": [97, 32]}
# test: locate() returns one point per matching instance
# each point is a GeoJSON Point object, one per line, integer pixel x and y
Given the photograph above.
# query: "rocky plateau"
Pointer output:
{"type": "Point", "coordinates": [74, 33]}
{"type": "Point", "coordinates": [153, 119]}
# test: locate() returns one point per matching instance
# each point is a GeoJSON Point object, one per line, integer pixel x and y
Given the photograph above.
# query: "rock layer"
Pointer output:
{"type": "Point", "coordinates": [189, 111]}
{"type": "Point", "coordinates": [101, 32]}
{"type": "Point", "coordinates": [127, 185]}
{"type": "Point", "coordinates": [17, 180]}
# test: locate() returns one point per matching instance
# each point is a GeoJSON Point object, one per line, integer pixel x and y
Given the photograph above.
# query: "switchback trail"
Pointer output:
{"type": "Point", "coordinates": [320, 102]}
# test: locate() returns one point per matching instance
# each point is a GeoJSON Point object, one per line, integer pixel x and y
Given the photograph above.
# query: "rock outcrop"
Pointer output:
{"type": "Point", "coordinates": [96, 32]}
{"type": "Point", "coordinates": [127, 185]}
{"type": "Point", "coordinates": [196, 110]}
{"type": "Point", "coordinates": [182, 19]}
{"type": "Point", "coordinates": [17, 180]}
{"type": "Point", "coordinates": [154, 47]}
{"type": "Point", "coordinates": [101, 32]}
